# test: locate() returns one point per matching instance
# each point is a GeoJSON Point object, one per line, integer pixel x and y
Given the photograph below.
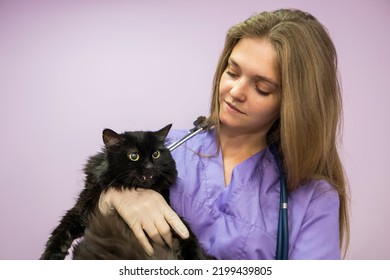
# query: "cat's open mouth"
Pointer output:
{"type": "Point", "coordinates": [145, 178]}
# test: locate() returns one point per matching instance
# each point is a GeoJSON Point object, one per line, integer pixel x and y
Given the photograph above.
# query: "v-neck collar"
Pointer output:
{"type": "Point", "coordinates": [214, 179]}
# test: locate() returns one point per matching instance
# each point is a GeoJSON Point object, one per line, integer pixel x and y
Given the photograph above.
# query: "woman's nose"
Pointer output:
{"type": "Point", "coordinates": [239, 90]}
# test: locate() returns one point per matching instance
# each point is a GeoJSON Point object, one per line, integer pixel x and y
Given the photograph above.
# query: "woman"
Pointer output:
{"type": "Point", "coordinates": [276, 82]}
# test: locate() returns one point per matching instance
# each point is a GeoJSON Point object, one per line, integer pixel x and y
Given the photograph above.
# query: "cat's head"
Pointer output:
{"type": "Point", "coordinates": [139, 159]}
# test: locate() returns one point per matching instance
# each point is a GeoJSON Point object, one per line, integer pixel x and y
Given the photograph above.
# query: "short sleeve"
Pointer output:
{"type": "Point", "coordinates": [318, 237]}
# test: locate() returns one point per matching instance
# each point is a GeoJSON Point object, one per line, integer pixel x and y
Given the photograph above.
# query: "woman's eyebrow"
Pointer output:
{"type": "Point", "coordinates": [255, 77]}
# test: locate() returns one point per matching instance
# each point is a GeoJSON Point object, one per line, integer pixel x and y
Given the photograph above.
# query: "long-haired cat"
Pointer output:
{"type": "Point", "coordinates": [137, 159]}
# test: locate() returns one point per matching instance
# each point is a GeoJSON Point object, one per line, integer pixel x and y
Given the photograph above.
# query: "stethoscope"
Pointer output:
{"type": "Point", "coordinates": [282, 237]}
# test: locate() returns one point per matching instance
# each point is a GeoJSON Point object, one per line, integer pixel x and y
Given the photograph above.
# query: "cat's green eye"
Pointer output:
{"type": "Point", "coordinates": [156, 154]}
{"type": "Point", "coordinates": [134, 156]}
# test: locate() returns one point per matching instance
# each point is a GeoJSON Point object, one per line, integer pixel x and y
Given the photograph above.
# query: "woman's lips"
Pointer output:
{"type": "Point", "coordinates": [234, 108]}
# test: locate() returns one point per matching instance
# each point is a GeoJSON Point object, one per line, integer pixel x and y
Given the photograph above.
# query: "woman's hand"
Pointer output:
{"type": "Point", "coordinates": [144, 211]}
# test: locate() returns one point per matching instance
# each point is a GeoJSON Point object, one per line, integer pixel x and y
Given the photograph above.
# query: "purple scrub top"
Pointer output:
{"type": "Point", "coordinates": [240, 221]}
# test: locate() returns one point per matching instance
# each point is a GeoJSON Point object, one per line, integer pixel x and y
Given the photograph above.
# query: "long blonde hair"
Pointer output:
{"type": "Point", "coordinates": [311, 106]}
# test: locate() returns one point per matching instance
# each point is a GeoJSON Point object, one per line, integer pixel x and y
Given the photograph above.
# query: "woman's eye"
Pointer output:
{"type": "Point", "coordinates": [134, 156]}
{"type": "Point", "coordinates": [261, 92]}
{"type": "Point", "coordinates": [156, 154]}
{"type": "Point", "coordinates": [232, 74]}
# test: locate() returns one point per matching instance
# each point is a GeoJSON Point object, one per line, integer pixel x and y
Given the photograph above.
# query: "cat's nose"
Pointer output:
{"type": "Point", "coordinates": [149, 165]}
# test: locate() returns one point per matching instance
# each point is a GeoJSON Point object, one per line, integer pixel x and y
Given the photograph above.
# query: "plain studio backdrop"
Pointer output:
{"type": "Point", "coordinates": [69, 69]}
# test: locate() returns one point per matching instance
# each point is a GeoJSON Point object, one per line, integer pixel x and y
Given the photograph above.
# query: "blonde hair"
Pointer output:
{"type": "Point", "coordinates": [311, 106]}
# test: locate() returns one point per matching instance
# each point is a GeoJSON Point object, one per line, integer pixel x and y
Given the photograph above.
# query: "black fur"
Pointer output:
{"type": "Point", "coordinates": [129, 160]}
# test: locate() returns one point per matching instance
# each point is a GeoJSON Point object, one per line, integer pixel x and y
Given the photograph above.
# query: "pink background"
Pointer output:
{"type": "Point", "coordinates": [68, 69]}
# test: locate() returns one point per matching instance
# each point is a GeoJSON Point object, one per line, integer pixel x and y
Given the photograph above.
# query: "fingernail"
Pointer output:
{"type": "Point", "coordinates": [150, 251]}
{"type": "Point", "coordinates": [184, 233]}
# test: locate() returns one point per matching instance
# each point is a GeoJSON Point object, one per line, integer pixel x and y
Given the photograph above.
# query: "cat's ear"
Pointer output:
{"type": "Point", "coordinates": [163, 132]}
{"type": "Point", "coordinates": [111, 138]}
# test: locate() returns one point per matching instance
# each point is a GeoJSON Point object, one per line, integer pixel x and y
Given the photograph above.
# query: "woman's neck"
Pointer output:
{"type": "Point", "coordinates": [237, 147]}
{"type": "Point", "coordinates": [246, 144]}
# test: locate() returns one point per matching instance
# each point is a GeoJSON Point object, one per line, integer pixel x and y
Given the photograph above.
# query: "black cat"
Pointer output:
{"type": "Point", "coordinates": [129, 160]}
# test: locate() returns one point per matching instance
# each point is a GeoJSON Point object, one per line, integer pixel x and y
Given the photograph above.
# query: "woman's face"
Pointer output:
{"type": "Point", "coordinates": [249, 94]}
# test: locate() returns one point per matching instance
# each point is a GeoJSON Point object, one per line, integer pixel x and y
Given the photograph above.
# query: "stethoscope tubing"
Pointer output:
{"type": "Point", "coordinates": [282, 244]}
